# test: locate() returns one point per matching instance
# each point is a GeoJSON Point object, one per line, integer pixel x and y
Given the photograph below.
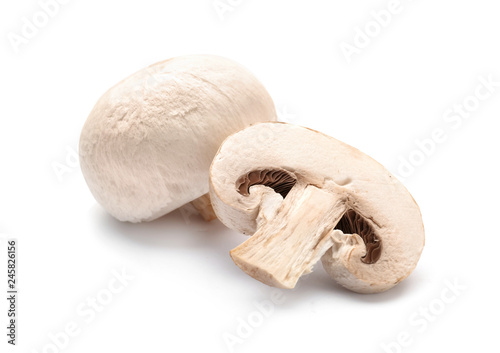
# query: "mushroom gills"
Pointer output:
{"type": "Point", "coordinates": [279, 180]}
{"type": "Point", "coordinates": [353, 223]}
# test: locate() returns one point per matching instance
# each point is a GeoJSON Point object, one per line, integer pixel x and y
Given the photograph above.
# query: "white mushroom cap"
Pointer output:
{"type": "Point", "coordinates": [339, 205]}
{"type": "Point", "coordinates": [147, 145]}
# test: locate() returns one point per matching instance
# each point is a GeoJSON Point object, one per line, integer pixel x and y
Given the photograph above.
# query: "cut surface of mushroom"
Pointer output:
{"type": "Point", "coordinates": [146, 147]}
{"type": "Point", "coordinates": [305, 196]}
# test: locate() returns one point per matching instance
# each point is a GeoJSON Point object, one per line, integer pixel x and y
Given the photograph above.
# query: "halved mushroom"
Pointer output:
{"type": "Point", "coordinates": [305, 196]}
{"type": "Point", "coordinates": [146, 147]}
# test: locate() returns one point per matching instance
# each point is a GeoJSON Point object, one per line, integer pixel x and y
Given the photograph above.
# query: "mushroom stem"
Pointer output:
{"type": "Point", "coordinates": [204, 207]}
{"type": "Point", "coordinates": [288, 245]}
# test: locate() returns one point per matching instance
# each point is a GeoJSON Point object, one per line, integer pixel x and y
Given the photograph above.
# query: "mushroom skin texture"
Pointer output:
{"type": "Point", "coordinates": [146, 147]}
{"type": "Point", "coordinates": [306, 196]}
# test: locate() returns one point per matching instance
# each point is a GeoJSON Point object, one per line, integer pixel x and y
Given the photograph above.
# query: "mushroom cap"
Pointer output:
{"type": "Point", "coordinates": [147, 145]}
{"type": "Point", "coordinates": [313, 158]}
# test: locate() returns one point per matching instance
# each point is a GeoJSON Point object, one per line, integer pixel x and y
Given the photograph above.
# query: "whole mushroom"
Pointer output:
{"type": "Point", "coordinates": [306, 196]}
{"type": "Point", "coordinates": [146, 147]}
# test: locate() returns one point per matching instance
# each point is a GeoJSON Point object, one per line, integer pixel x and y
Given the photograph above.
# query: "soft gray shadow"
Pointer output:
{"type": "Point", "coordinates": [177, 231]}
{"type": "Point", "coordinates": [319, 282]}
{"type": "Point", "coordinates": [171, 230]}
{"type": "Point", "coordinates": [174, 231]}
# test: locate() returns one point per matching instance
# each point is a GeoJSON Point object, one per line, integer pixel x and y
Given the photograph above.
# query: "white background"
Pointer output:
{"type": "Point", "coordinates": [187, 295]}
